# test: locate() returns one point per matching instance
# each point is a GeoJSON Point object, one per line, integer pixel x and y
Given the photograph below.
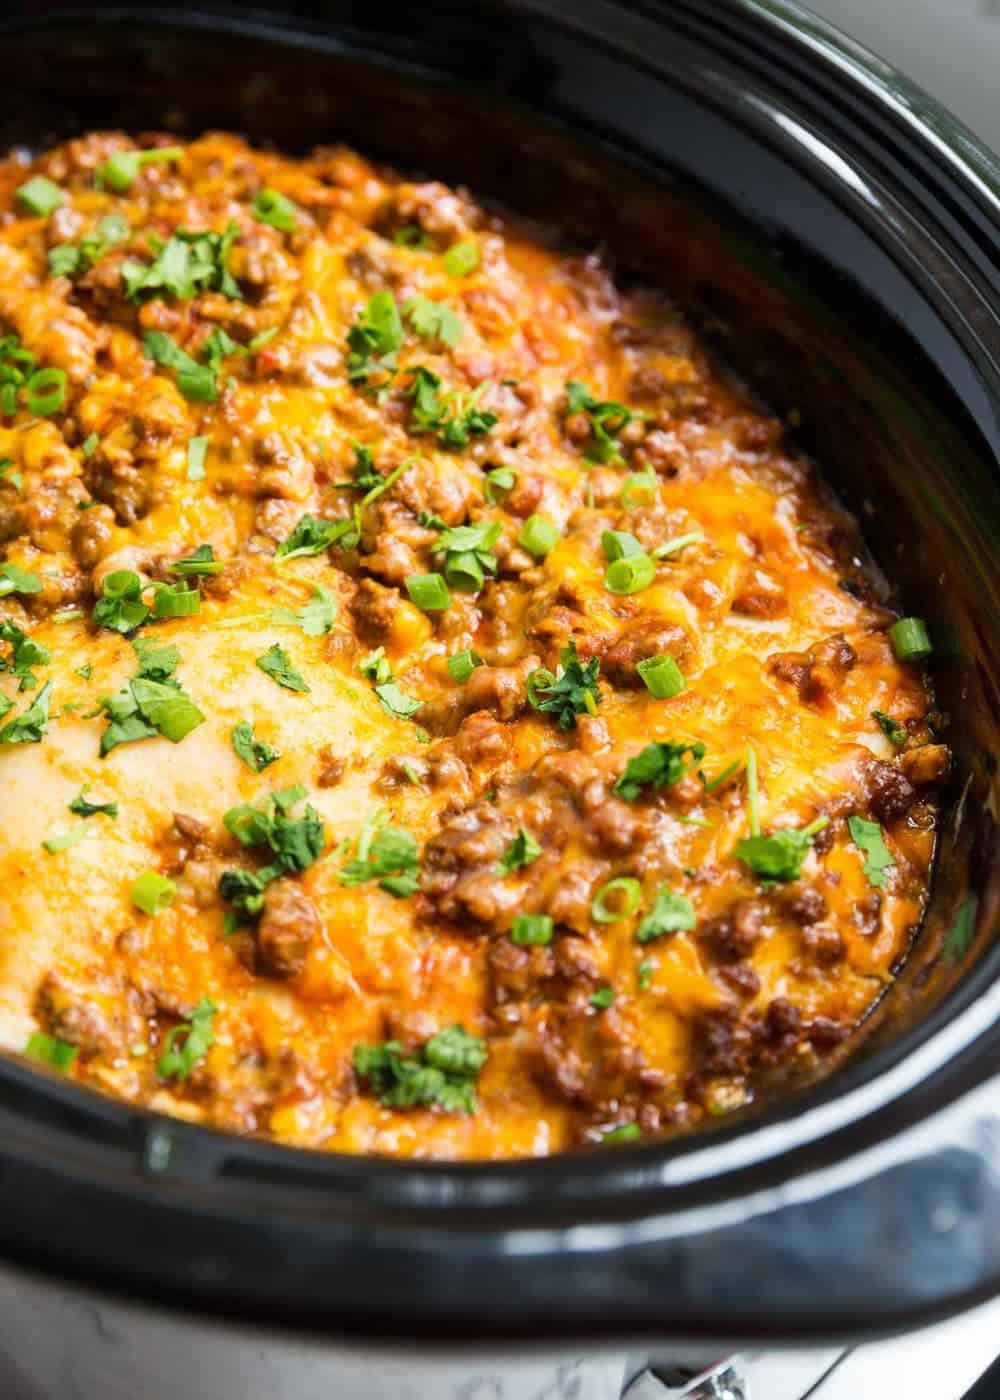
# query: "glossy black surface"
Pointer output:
{"type": "Point", "coordinates": [841, 238]}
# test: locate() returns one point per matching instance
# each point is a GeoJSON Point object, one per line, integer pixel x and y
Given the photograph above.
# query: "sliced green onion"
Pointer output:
{"type": "Point", "coordinates": [90, 445]}
{"type": "Point", "coordinates": [628, 1132]}
{"type": "Point", "coordinates": [428, 591]}
{"type": "Point", "coordinates": [270, 207]}
{"type": "Point", "coordinates": [664, 551]}
{"type": "Point", "coordinates": [630, 575]}
{"type": "Point", "coordinates": [177, 601]}
{"type": "Point", "coordinates": [152, 893]}
{"type": "Point", "coordinates": [638, 487]}
{"type": "Point", "coordinates": [196, 450]}
{"type": "Point", "coordinates": [45, 392]}
{"type": "Point", "coordinates": [603, 998]}
{"type": "Point", "coordinates": [40, 195]}
{"type": "Point", "coordinates": [47, 1050]}
{"type": "Point", "coordinates": [119, 171]}
{"type": "Point", "coordinates": [462, 665]}
{"type": "Point", "coordinates": [662, 677]}
{"type": "Point", "coordinates": [619, 544]}
{"type": "Point", "coordinates": [910, 640]}
{"type": "Point", "coordinates": [461, 259]}
{"type": "Point", "coordinates": [538, 536]}
{"type": "Point", "coordinates": [720, 778]}
{"type": "Point", "coordinates": [67, 840]}
{"type": "Point", "coordinates": [531, 929]}
{"type": "Point", "coordinates": [753, 792]}
{"type": "Point", "coordinates": [499, 479]}
{"type": "Point", "coordinates": [625, 894]}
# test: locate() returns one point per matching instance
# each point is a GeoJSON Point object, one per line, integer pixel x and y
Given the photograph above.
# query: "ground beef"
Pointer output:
{"type": "Point", "coordinates": [818, 672]}
{"type": "Point", "coordinates": [890, 792]}
{"type": "Point", "coordinates": [287, 926]}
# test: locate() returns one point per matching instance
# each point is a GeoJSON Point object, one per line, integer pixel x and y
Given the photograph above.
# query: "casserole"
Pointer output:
{"type": "Point", "coordinates": [855, 280]}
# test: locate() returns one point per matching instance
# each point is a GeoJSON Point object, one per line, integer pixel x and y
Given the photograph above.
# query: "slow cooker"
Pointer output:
{"type": "Point", "coordinates": [838, 235]}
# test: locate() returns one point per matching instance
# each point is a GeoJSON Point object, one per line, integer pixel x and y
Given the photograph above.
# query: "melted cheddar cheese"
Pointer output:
{"type": "Point", "coordinates": [483, 530]}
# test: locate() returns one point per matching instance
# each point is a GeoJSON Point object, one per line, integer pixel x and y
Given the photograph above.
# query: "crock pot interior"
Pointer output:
{"type": "Point", "coordinates": [823, 279]}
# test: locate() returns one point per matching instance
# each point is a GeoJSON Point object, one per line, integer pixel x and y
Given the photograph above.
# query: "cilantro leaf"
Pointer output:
{"type": "Point", "coordinates": [314, 535]}
{"type": "Point", "coordinates": [896, 733]}
{"type": "Point", "coordinates": [73, 259]}
{"type": "Point", "coordinates": [468, 551]}
{"type": "Point", "coordinates": [671, 913]}
{"type": "Point", "coordinates": [441, 1074]}
{"type": "Point", "coordinates": [83, 807]}
{"type": "Point", "coordinates": [389, 855]}
{"type": "Point", "coordinates": [254, 752]}
{"type": "Point", "coordinates": [188, 263]}
{"type": "Point", "coordinates": [432, 320]}
{"type": "Point", "coordinates": [572, 691]}
{"type": "Point", "coordinates": [294, 842]}
{"type": "Point", "coordinates": [24, 654]}
{"type": "Point", "coordinates": [396, 701]}
{"type": "Point", "coordinates": [779, 856]}
{"type": "Point", "coordinates": [453, 416]}
{"type": "Point", "coordinates": [186, 1045]}
{"type": "Point", "coordinates": [315, 618]}
{"type": "Point", "coordinates": [16, 580]}
{"type": "Point", "coordinates": [276, 664]}
{"type": "Point", "coordinates": [29, 726]}
{"type": "Point", "coordinates": [120, 607]}
{"type": "Point", "coordinates": [152, 703]}
{"type": "Point", "coordinates": [522, 851]}
{"type": "Point", "coordinates": [657, 766]}
{"type": "Point", "coordinates": [606, 421]}
{"type": "Point", "coordinates": [373, 340]}
{"type": "Point", "coordinates": [867, 836]}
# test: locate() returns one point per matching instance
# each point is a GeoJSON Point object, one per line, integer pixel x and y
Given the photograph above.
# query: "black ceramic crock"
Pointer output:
{"type": "Point", "coordinates": [839, 236]}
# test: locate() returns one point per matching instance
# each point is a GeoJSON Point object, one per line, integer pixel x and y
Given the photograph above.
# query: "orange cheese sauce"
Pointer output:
{"type": "Point", "coordinates": [400, 361]}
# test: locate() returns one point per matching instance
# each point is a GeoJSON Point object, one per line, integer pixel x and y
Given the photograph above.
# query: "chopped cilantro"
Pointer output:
{"type": "Point", "coordinates": [186, 1045]}
{"type": "Point", "coordinates": [120, 607]}
{"type": "Point", "coordinates": [83, 807]}
{"type": "Point", "coordinates": [74, 259]}
{"type": "Point", "coordinates": [461, 258]}
{"type": "Point", "coordinates": [388, 854]}
{"type": "Point", "coordinates": [454, 417]}
{"type": "Point", "coordinates": [522, 851]}
{"type": "Point", "coordinates": [896, 733]}
{"type": "Point", "coordinates": [201, 562]}
{"type": "Point", "coordinates": [29, 726]}
{"type": "Point", "coordinates": [17, 580]}
{"type": "Point", "coordinates": [254, 752]}
{"type": "Point", "coordinates": [867, 836]}
{"type": "Point", "coordinates": [313, 535]}
{"type": "Point", "coordinates": [779, 856]}
{"type": "Point", "coordinates": [24, 654]}
{"type": "Point", "coordinates": [315, 617]}
{"type": "Point", "coordinates": [572, 691]}
{"type": "Point", "coordinates": [442, 1074]}
{"type": "Point", "coordinates": [657, 766]}
{"type": "Point", "coordinates": [188, 263]}
{"type": "Point", "coordinates": [432, 320]}
{"type": "Point", "coordinates": [671, 913]}
{"type": "Point", "coordinates": [294, 842]}
{"type": "Point", "coordinates": [603, 998]}
{"type": "Point", "coordinates": [276, 664]}
{"type": "Point", "coordinates": [606, 421]}
{"type": "Point", "coordinates": [372, 342]}
{"type": "Point", "coordinates": [152, 703]}
{"type": "Point", "coordinates": [468, 551]}
{"type": "Point", "coordinates": [375, 668]}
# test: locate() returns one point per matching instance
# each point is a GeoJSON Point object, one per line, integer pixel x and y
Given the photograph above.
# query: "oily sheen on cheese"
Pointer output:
{"type": "Point", "coordinates": [594, 781]}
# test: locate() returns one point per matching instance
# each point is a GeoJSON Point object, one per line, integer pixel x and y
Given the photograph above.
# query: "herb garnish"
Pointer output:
{"type": "Point", "coordinates": [254, 752]}
{"type": "Point", "coordinates": [186, 1045]}
{"type": "Point", "coordinates": [657, 766]}
{"type": "Point", "coordinates": [24, 654]}
{"type": "Point", "coordinates": [29, 726]}
{"type": "Point", "coordinates": [375, 668]}
{"type": "Point", "coordinates": [522, 851]}
{"type": "Point", "coordinates": [276, 663]}
{"type": "Point", "coordinates": [83, 807]}
{"type": "Point", "coordinates": [671, 913]}
{"type": "Point", "coordinates": [372, 343]}
{"type": "Point", "coordinates": [120, 170]}
{"type": "Point", "coordinates": [188, 263]}
{"type": "Point", "coordinates": [197, 382]}
{"type": "Point", "coordinates": [867, 836]}
{"type": "Point", "coordinates": [453, 416]}
{"type": "Point", "coordinates": [779, 856]}
{"type": "Point", "coordinates": [606, 421]}
{"type": "Point", "coordinates": [896, 733]}
{"type": "Point", "coordinates": [294, 842]}
{"type": "Point", "coordinates": [275, 209]}
{"type": "Point", "coordinates": [572, 691]}
{"type": "Point", "coordinates": [48, 1050]}
{"type": "Point", "coordinates": [150, 704]}
{"type": "Point", "coordinates": [73, 259]}
{"type": "Point", "coordinates": [315, 618]}
{"type": "Point", "coordinates": [201, 561]}
{"type": "Point", "coordinates": [388, 854]}
{"type": "Point", "coordinates": [432, 320]}
{"type": "Point", "coordinates": [16, 580]}
{"type": "Point", "coordinates": [468, 551]}
{"type": "Point", "coordinates": [442, 1074]}
{"type": "Point", "coordinates": [314, 535]}
{"type": "Point", "coordinates": [120, 607]}
{"type": "Point", "coordinates": [43, 390]}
